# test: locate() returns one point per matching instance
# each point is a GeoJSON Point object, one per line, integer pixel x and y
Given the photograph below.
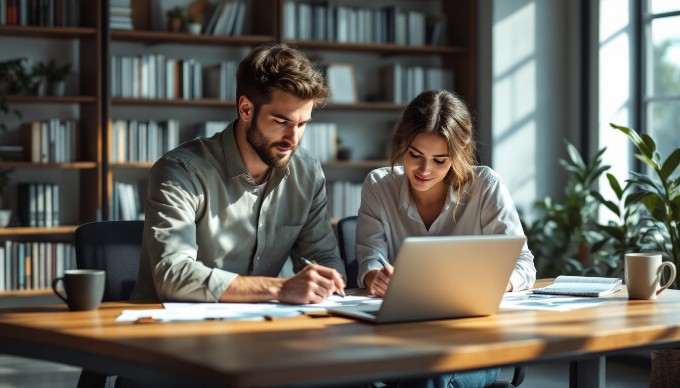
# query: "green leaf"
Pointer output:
{"type": "Point", "coordinates": [649, 142]}
{"type": "Point", "coordinates": [609, 204]}
{"type": "Point", "coordinates": [670, 164]}
{"type": "Point", "coordinates": [575, 156]}
{"type": "Point", "coordinates": [646, 180]}
{"type": "Point", "coordinates": [614, 184]}
{"type": "Point", "coordinates": [648, 160]}
{"type": "Point", "coordinates": [614, 231]}
{"type": "Point", "coordinates": [632, 198]}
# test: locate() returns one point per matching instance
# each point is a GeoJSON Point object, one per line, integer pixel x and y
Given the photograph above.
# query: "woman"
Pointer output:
{"type": "Point", "coordinates": [433, 188]}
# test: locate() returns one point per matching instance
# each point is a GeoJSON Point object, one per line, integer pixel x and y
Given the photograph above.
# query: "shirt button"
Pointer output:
{"type": "Point", "coordinates": [257, 258]}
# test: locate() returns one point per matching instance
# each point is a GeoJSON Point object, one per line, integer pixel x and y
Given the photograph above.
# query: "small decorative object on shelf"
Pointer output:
{"type": "Point", "coordinates": [51, 77]}
{"type": "Point", "coordinates": [195, 18]}
{"type": "Point", "coordinates": [175, 19]}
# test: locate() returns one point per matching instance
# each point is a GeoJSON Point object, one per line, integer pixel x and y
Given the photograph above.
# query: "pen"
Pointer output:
{"type": "Point", "coordinates": [382, 262]}
{"type": "Point", "coordinates": [307, 262]}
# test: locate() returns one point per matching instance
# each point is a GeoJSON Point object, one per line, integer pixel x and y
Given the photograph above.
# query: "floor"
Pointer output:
{"type": "Point", "coordinates": [21, 372]}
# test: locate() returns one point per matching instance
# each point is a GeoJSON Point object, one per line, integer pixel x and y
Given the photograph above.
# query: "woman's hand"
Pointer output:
{"type": "Point", "coordinates": [377, 281]}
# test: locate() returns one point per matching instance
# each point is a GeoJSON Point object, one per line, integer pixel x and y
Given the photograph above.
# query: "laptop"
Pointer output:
{"type": "Point", "coordinates": [444, 277]}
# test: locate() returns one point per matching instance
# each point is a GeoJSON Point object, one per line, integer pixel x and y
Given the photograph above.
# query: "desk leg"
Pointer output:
{"type": "Point", "coordinates": [587, 372]}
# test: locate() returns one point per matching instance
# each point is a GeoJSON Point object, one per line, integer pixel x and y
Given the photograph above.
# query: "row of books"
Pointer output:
{"type": "Point", "coordinates": [403, 83]}
{"type": "Point", "coordinates": [386, 25]}
{"type": "Point", "coordinates": [320, 139]}
{"type": "Point", "coordinates": [126, 203]}
{"type": "Point", "coordinates": [220, 80]}
{"type": "Point", "coordinates": [38, 204]}
{"type": "Point", "coordinates": [142, 140]}
{"type": "Point", "coordinates": [153, 76]}
{"type": "Point", "coordinates": [344, 198]}
{"type": "Point", "coordinates": [33, 265]}
{"type": "Point", "coordinates": [46, 13]}
{"type": "Point", "coordinates": [50, 141]}
{"type": "Point", "coordinates": [120, 14]}
{"type": "Point", "coordinates": [226, 18]}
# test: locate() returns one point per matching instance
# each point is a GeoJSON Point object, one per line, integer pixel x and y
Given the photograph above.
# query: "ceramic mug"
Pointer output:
{"type": "Point", "coordinates": [643, 275]}
{"type": "Point", "coordinates": [84, 288]}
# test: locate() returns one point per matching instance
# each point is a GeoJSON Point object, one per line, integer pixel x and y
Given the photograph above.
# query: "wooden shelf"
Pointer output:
{"type": "Point", "coordinates": [334, 164]}
{"type": "Point", "coordinates": [52, 99]}
{"type": "Point", "coordinates": [205, 102]}
{"type": "Point", "coordinates": [212, 102]}
{"type": "Point", "coordinates": [137, 165]}
{"type": "Point", "coordinates": [376, 48]}
{"type": "Point", "coordinates": [163, 37]}
{"type": "Point", "coordinates": [356, 164]}
{"type": "Point", "coordinates": [47, 32]}
{"type": "Point", "coordinates": [28, 231]}
{"type": "Point", "coordinates": [64, 166]}
{"type": "Point", "coordinates": [366, 106]}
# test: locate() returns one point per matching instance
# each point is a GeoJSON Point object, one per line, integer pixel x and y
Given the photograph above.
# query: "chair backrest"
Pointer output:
{"type": "Point", "coordinates": [115, 247]}
{"type": "Point", "coordinates": [347, 240]}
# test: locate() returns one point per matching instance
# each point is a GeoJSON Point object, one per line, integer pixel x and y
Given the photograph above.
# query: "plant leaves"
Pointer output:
{"type": "Point", "coordinates": [575, 156]}
{"type": "Point", "coordinates": [614, 184]}
{"type": "Point", "coordinates": [670, 165]}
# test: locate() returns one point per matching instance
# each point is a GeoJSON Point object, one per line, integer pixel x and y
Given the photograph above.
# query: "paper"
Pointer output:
{"type": "Point", "coordinates": [530, 301]}
{"type": "Point", "coordinates": [238, 311]}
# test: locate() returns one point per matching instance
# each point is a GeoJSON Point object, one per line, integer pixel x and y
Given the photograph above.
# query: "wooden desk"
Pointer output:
{"type": "Point", "coordinates": [312, 351]}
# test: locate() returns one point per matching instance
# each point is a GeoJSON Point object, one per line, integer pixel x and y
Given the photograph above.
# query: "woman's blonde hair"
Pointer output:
{"type": "Point", "coordinates": [442, 113]}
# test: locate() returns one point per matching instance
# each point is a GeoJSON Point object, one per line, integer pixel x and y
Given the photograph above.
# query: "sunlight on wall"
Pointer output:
{"type": "Point", "coordinates": [614, 89]}
{"type": "Point", "coordinates": [514, 101]}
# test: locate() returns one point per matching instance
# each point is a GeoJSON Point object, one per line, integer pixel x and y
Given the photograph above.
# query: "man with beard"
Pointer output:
{"type": "Point", "coordinates": [224, 213]}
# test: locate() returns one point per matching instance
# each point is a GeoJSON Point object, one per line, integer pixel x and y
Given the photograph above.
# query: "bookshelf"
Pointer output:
{"type": "Point", "coordinates": [41, 250]}
{"type": "Point", "coordinates": [89, 182]}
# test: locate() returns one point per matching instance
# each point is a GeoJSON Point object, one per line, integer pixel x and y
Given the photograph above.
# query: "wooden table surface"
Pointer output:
{"type": "Point", "coordinates": [330, 349]}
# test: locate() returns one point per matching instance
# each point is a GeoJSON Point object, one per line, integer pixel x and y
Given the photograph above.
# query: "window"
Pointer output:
{"type": "Point", "coordinates": [660, 44]}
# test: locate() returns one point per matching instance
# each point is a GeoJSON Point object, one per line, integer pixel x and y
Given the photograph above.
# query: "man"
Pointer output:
{"type": "Point", "coordinates": [224, 213]}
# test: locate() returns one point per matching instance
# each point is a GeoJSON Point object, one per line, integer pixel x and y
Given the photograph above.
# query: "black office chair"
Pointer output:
{"type": "Point", "coordinates": [347, 240]}
{"type": "Point", "coordinates": [115, 247]}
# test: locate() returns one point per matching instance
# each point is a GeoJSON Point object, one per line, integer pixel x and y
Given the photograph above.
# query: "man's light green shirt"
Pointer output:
{"type": "Point", "coordinates": [207, 221]}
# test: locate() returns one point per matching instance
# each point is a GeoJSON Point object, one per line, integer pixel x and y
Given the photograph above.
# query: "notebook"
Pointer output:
{"type": "Point", "coordinates": [444, 277]}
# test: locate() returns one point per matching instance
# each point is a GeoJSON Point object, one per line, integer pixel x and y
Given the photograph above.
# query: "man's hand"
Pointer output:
{"type": "Point", "coordinates": [377, 281]}
{"type": "Point", "coordinates": [313, 284]}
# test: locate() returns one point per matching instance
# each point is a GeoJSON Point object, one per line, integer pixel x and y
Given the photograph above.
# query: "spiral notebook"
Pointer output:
{"type": "Point", "coordinates": [444, 277]}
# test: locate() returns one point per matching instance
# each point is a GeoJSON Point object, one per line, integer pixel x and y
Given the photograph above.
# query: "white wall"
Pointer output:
{"type": "Point", "coordinates": [529, 91]}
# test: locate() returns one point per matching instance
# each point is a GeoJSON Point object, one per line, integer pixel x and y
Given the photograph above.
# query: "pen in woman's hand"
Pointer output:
{"type": "Point", "coordinates": [341, 292]}
{"type": "Point", "coordinates": [382, 262]}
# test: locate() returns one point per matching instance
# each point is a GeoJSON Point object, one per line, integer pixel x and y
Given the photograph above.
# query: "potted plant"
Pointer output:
{"type": "Point", "coordinates": [51, 77]}
{"type": "Point", "coordinates": [13, 80]}
{"type": "Point", "coordinates": [194, 23]}
{"type": "Point", "coordinates": [565, 230]}
{"type": "Point", "coordinates": [175, 18]}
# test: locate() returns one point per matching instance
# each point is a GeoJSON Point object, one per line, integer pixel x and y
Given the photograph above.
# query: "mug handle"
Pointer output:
{"type": "Point", "coordinates": [63, 297]}
{"type": "Point", "coordinates": [670, 279]}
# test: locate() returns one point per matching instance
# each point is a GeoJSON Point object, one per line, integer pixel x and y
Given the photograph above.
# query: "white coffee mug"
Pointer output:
{"type": "Point", "coordinates": [643, 274]}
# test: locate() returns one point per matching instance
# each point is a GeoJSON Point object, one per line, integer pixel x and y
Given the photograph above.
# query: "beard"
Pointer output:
{"type": "Point", "coordinates": [267, 151]}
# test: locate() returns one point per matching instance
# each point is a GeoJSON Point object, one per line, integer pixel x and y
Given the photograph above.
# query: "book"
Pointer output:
{"type": "Point", "coordinates": [581, 286]}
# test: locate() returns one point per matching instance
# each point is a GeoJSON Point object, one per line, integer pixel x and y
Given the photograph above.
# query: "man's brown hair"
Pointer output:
{"type": "Point", "coordinates": [278, 66]}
